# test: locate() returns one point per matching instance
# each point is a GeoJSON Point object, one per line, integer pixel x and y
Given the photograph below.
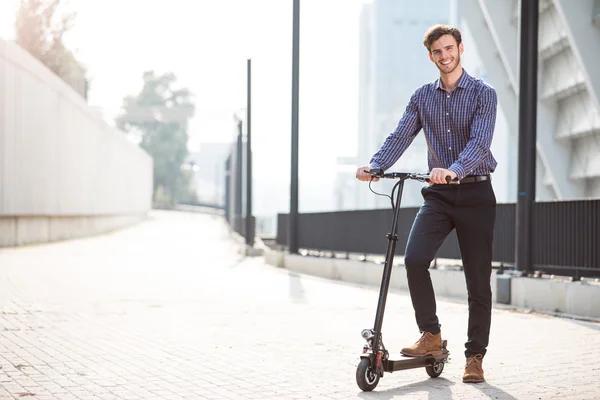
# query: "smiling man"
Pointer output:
{"type": "Point", "coordinates": [457, 114]}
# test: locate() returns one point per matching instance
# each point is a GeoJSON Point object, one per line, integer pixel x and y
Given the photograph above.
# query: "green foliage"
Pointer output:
{"type": "Point", "coordinates": [160, 114]}
{"type": "Point", "coordinates": [40, 28]}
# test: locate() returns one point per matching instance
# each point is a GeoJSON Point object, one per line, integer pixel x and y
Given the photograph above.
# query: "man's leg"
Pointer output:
{"type": "Point", "coordinates": [475, 217]}
{"type": "Point", "coordinates": [431, 226]}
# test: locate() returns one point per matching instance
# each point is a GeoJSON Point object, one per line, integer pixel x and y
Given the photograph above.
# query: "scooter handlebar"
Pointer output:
{"type": "Point", "coordinates": [378, 173]}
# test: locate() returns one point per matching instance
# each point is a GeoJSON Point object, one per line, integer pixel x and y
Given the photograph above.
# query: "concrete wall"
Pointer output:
{"type": "Point", "coordinates": [537, 294]}
{"type": "Point", "coordinates": [63, 171]}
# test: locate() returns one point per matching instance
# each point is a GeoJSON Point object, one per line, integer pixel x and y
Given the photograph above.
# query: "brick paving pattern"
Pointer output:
{"type": "Point", "coordinates": [169, 309]}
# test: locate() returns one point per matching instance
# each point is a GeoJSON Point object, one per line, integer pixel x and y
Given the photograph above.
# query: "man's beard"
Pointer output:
{"type": "Point", "coordinates": [454, 63]}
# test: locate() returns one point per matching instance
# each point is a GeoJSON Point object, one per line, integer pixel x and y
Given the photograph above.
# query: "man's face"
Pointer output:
{"type": "Point", "coordinates": [446, 54]}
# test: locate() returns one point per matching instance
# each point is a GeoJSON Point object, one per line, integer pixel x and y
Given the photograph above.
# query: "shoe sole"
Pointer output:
{"type": "Point", "coordinates": [473, 380]}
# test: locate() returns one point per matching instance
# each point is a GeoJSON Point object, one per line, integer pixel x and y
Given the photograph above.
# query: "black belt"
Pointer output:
{"type": "Point", "coordinates": [475, 178]}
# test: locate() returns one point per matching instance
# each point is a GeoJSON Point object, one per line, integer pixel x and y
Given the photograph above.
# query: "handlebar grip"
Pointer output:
{"type": "Point", "coordinates": [375, 172]}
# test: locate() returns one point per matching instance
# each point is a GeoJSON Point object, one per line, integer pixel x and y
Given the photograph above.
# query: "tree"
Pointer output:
{"type": "Point", "coordinates": [40, 29]}
{"type": "Point", "coordinates": [160, 115]}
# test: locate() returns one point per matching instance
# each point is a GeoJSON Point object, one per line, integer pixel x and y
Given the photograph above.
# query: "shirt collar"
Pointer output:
{"type": "Point", "coordinates": [463, 82]}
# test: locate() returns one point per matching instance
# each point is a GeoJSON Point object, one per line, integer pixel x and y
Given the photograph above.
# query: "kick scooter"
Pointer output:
{"type": "Point", "coordinates": [374, 360]}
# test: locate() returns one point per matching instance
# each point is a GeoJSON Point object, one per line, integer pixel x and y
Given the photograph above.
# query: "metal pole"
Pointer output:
{"type": "Point", "coordinates": [249, 220]}
{"type": "Point", "coordinates": [238, 182]}
{"type": "Point", "coordinates": [528, 76]}
{"type": "Point", "coordinates": [293, 217]}
{"type": "Point", "coordinates": [228, 190]}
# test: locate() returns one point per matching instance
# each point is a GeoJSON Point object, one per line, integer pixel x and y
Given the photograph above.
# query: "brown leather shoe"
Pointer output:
{"type": "Point", "coordinates": [474, 369]}
{"type": "Point", "coordinates": [428, 344]}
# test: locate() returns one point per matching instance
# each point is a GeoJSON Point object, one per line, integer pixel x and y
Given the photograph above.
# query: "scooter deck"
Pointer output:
{"type": "Point", "coordinates": [413, 362]}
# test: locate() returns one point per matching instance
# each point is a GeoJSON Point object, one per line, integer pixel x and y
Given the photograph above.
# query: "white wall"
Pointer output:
{"type": "Point", "coordinates": [58, 158]}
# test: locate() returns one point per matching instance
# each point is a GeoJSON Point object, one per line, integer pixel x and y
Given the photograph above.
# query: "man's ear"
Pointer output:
{"type": "Point", "coordinates": [430, 56]}
{"type": "Point", "coordinates": [461, 48]}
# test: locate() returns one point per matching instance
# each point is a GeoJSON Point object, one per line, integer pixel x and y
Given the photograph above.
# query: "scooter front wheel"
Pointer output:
{"type": "Point", "coordinates": [366, 378]}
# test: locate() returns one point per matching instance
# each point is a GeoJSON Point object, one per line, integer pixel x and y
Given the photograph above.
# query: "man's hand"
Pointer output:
{"type": "Point", "coordinates": [438, 175]}
{"type": "Point", "coordinates": [362, 174]}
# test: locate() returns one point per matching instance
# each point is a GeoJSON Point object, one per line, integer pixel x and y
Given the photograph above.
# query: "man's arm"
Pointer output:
{"type": "Point", "coordinates": [398, 141]}
{"type": "Point", "coordinates": [482, 131]}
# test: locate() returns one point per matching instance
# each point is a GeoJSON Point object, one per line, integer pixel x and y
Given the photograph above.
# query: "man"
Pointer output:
{"type": "Point", "coordinates": [457, 114]}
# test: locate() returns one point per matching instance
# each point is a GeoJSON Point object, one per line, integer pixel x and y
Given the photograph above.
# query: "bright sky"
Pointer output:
{"type": "Point", "coordinates": [206, 44]}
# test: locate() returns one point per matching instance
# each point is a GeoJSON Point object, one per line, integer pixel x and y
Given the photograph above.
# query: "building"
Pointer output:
{"type": "Point", "coordinates": [394, 62]}
{"type": "Point", "coordinates": [568, 120]}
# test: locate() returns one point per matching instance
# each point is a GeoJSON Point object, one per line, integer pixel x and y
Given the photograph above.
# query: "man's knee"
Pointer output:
{"type": "Point", "coordinates": [414, 262]}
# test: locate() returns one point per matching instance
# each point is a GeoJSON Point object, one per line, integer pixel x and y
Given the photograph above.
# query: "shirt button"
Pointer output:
{"type": "Point", "coordinates": [446, 113]}
{"type": "Point", "coordinates": [448, 130]}
{"type": "Point", "coordinates": [448, 96]}
{"type": "Point", "coordinates": [449, 148]}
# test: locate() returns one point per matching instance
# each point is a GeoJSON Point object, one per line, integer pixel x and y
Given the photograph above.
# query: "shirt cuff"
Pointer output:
{"type": "Point", "coordinates": [374, 165]}
{"type": "Point", "coordinates": [458, 170]}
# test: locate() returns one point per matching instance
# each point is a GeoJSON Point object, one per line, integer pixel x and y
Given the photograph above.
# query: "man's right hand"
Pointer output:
{"type": "Point", "coordinates": [362, 174]}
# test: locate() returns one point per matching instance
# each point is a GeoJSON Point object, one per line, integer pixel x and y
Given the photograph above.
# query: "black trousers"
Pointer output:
{"type": "Point", "coordinates": [469, 208]}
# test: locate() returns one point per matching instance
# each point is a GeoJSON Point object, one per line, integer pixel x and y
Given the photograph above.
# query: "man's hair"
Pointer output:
{"type": "Point", "coordinates": [437, 31]}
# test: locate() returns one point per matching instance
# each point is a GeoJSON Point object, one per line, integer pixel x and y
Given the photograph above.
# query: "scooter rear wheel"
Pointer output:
{"type": "Point", "coordinates": [366, 378]}
{"type": "Point", "coordinates": [435, 370]}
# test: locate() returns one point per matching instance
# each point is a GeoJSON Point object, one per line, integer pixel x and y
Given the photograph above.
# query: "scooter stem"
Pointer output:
{"type": "Point", "coordinates": [387, 269]}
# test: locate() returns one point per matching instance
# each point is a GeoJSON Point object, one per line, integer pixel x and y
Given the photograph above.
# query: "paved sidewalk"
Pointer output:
{"type": "Point", "coordinates": [169, 310]}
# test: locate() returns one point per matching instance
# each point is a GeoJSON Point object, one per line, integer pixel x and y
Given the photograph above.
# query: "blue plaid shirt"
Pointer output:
{"type": "Point", "coordinates": [458, 127]}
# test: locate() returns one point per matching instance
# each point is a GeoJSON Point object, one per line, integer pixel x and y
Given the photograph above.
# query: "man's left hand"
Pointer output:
{"type": "Point", "coordinates": [438, 176]}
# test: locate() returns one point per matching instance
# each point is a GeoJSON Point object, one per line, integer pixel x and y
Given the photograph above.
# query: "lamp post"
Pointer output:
{"type": "Point", "coordinates": [250, 228]}
{"type": "Point", "coordinates": [293, 216]}
{"type": "Point", "coordinates": [528, 76]}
